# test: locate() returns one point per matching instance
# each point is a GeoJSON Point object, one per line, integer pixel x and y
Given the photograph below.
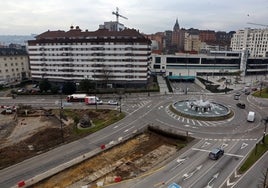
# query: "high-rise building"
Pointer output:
{"type": "Point", "coordinates": [107, 57]}
{"type": "Point", "coordinates": [254, 40]}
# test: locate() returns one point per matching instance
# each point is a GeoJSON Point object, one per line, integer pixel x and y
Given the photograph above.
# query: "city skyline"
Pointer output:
{"type": "Point", "coordinates": [34, 17]}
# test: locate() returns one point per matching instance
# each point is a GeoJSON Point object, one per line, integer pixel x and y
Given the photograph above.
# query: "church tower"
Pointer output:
{"type": "Point", "coordinates": [176, 26]}
{"type": "Point", "coordinates": [175, 42]}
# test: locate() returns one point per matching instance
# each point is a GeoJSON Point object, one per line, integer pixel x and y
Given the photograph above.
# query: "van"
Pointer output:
{"type": "Point", "coordinates": [251, 116]}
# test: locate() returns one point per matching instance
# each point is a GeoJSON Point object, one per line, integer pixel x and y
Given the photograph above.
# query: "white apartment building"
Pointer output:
{"type": "Point", "coordinates": [254, 40]}
{"type": "Point", "coordinates": [108, 57]}
{"type": "Point", "coordinates": [14, 65]}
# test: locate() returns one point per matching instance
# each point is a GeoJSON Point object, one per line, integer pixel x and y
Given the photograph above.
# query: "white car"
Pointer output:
{"type": "Point", "coordinates": [112, 102]}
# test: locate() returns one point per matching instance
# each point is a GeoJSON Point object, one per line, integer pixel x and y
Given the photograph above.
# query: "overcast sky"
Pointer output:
{"type": "Point", "coordinates": [25, 17]}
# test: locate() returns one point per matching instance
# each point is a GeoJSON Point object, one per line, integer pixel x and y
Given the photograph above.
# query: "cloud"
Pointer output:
{"type": "Point", "coordinates": [150, 16]}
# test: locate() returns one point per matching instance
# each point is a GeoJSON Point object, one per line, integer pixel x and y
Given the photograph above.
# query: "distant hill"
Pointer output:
{"type": "Point", "coordinates": [15, 39]}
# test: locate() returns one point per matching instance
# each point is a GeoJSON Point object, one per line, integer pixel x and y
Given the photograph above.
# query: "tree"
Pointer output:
{"type": "Point", "coordinates": [86, 85]}
{"type": "Point", "coordinates": [54, 89]}
{"type": "Point", "coordinates": [44, 85]}
{"type": "Point", "coordinates": [106, 74]}
{"type": "Point", "coordinates": [69, 88]}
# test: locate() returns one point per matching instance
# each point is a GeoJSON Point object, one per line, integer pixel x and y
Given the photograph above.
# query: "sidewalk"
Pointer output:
{"type": "Point", "coordinates": [162, 84]}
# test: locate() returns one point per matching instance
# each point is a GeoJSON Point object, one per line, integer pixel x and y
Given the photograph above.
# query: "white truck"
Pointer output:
{"type": "Point", "coordinates": [76, 98]}
{"type": "Point", "coordinates": [92, 100]}
{"type": "Point", "coordinates": [251, 116]}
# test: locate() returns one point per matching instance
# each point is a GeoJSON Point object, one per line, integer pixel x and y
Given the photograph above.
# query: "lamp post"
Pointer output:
{"type": "Point", "coordinates": [96, 102]}
{"type": "Point", "coordinates": [61, 109]}
{"type": "Point", "coordinates": [265, 120]}
{"type": "Point", "coordinates": [120, 107]}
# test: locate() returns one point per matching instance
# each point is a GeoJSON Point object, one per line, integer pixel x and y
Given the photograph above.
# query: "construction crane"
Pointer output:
{"type": "Point", "coordinates": [116, 13]}
{"type": "Point", "coordinates": [257, 24]}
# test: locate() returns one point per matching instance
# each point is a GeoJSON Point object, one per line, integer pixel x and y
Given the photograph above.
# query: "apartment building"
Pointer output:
{"type": "Point", "coordinates": [254, 40]}
{"type": "Point", "coordinates": [107, 57]}
{"type": "Point", "coordinates": [192, 43]}
{"type": "Point", "coordinates": [14, 65]}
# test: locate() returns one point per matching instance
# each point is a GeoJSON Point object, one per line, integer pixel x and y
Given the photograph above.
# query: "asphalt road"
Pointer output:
{"type": "Point", "coordinates": [254, 177]}
{"type": "Point", "coordinates": [190, 169]}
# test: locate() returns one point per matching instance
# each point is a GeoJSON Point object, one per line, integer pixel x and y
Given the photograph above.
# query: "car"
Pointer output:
{"type": "Point", "coordinates": [241, 105]}
{"type": "Point", "coordinates": [247, 92]}
{"type": "Point", "coordinates": [236, 96]}
{"type": "Point", "coordinates": [20, 90]}
{"type": "Point", "coordinates": [216, 153]}
{"type": "Point", "coordinates": [112, 102]}
{"type": "Point", "coordinates": [254, 89]}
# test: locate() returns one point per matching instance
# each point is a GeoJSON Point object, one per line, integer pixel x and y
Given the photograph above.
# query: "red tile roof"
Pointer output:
{"type": "Point", "coordinates": [78, 33]}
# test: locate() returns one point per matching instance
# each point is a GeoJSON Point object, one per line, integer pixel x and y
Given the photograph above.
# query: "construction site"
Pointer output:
{"type": "Point", "coordinates": [23, 137]}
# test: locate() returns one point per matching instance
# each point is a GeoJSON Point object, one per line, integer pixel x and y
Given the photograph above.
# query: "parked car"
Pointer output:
{"type": "Point", "coordinates": [254, 89]}
{"type": "Point", "coordinates": [236, 96]}
{"type": "Point", "coordinates": [241, 105]}
{"type": "Point", "coordinates": [247, 92]}
{"type": "Point", "coordinates": [112, 102]}
{"type": "Point", "coordinates": [216, 153]}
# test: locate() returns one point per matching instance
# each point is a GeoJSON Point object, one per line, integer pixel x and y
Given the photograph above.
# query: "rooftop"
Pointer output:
{"type": "Point", "coordinates": [12, 51]}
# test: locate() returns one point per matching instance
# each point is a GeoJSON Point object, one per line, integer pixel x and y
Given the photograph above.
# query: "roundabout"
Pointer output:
{"type": "Point", "coordinates": [201, 109]}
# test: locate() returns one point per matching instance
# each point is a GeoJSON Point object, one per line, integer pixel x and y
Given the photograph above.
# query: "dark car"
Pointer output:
{"type": "Point", "coordinates": [241, 105]}
{"type": "Point", "coordinates": [216, 153]}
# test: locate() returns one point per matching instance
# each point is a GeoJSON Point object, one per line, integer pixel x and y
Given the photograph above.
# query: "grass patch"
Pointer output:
{"type": "Point", "coordinates": [261, 94]}
{"type": "Point", "coordinates": [255, 154]}
{"type": "Point", "coordinates": [99, 124]}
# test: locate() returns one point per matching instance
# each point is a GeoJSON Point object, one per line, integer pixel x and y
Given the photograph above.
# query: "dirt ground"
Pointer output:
{"type": "Point", "coordinates": [22, 137]}
{"type": "Point", "coordinates": [128, 160]}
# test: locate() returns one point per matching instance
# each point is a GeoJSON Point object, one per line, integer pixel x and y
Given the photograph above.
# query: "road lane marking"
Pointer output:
{"type": "Point", "coordinates": [229, 154]}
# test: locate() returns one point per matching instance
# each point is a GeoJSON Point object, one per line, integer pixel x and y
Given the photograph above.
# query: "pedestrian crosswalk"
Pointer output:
{"type": "Point", "coordinates": [136, 104]}
{"type": "Point", "coordinates": [194, 122]}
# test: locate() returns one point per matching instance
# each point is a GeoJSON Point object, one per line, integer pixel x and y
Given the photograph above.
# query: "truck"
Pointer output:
{"type": "Point", "coordinates": [76, 98]}
{"type": "Point", "coordinates": [251, 116]}
{"type": "Point", "coordinates": [92, 100]}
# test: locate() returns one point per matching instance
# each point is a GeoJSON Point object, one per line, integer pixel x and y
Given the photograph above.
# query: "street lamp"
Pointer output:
{"type": "Point", "coordinates": [120, 107]}
{"type": "Point", "coordinates": [61, 110]}
{"type": "Point", "coordinates": [96, 102]}
{"type": "Point", "coordinates": [265, 120]}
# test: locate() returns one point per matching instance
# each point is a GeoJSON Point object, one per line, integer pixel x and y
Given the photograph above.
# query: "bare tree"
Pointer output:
{"type": "Point", "coordinates": [264, 180]}
{"type": "Point", "coordinates": [106, 74]}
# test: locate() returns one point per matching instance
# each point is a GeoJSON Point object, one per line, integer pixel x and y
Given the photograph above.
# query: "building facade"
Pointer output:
{"type": "Point", "coordinates": [192, 42]}
{"type": "Point", "coordinates": [214, 63]}
{"type": "Point", "coordinates": [108, 57]}
{"type": "Point", "coordinates": [14, 65]}
{"type": "Point", "coordinates": [254, 40]}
